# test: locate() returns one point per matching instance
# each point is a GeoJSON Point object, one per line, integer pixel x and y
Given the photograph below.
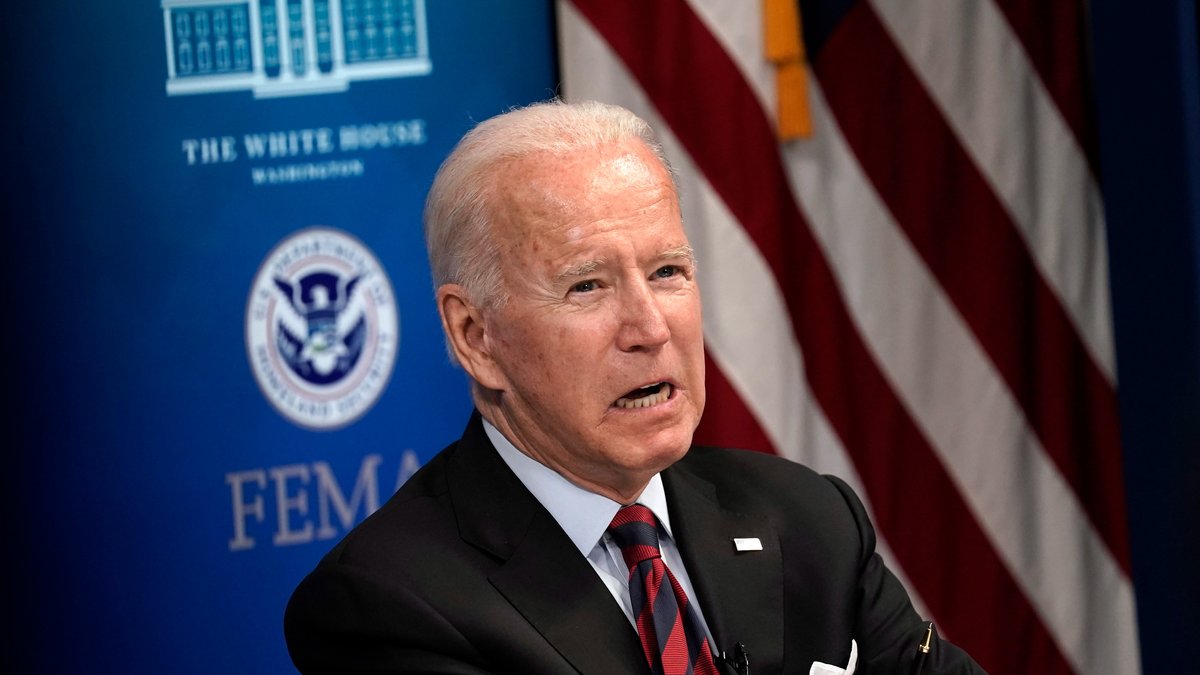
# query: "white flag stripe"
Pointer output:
{"type": "Point", "coordinates": [969, 60]}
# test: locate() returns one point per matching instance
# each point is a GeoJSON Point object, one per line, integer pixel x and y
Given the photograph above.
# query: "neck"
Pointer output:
{"type": "Point", "coordinates": [617, 486]}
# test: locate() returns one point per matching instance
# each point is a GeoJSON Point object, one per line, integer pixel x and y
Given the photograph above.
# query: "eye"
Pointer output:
{"type": "Point", "coordinates": [584, 287]}
{"type": "Point", "coordinates": [666, 272]}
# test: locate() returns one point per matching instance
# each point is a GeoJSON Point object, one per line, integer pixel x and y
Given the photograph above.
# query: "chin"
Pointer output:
{"type": "Point", "coordinates": [665, 449]}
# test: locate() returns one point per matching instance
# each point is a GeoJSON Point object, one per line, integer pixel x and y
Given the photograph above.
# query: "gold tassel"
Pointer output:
{"type": "Point", "coordinates": [784, 48]}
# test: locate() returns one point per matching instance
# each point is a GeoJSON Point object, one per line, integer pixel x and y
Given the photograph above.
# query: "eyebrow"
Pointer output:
{"type": "Point", "coordinates": [682, 251]}
{"type": "Point", "coordinates": [581, 270]}
{"type": "Point", "coordinates": [587, 267]}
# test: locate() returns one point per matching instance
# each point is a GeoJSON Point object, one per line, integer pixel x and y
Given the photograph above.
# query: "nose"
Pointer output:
{"type": "Point", "coordinates": [643, 324]}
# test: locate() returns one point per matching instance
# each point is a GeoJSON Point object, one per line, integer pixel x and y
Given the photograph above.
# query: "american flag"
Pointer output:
{"type": "Point", "coordinates": [914, 296]}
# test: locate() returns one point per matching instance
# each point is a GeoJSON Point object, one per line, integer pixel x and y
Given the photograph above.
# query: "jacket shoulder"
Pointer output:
{"type": "Point", "coordinates": [757, 476]}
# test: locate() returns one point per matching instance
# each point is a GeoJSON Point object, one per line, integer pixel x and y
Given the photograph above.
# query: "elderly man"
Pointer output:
{"type": "Point", "coordinates": [573, 527]}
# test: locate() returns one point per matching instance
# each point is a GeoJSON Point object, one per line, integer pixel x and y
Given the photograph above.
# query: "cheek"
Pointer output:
{"type": "Point", "coordinates": [583, 336]}
{"type": "Point", "coordinates": [512, 349]}
{"type": "Point", "coordinates": [686, 321]}
{"type": "Point", "coordinates": [540, 354]}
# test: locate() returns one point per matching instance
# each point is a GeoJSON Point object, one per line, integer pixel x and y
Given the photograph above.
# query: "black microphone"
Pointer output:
{"type": "Point", "coordinates": [740, 661]}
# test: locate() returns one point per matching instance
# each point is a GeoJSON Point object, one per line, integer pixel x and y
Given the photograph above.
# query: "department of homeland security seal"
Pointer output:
{"type": "Point", "coordinates": [321, 328]}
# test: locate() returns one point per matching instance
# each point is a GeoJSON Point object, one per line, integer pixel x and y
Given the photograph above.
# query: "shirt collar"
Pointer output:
{"type": "Point", "coordinates": [582, 514]}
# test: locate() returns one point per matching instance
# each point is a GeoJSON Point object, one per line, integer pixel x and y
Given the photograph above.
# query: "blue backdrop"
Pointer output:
{"type": "Point", "coordinates": [1148, 109]}
{"type": "Point", "coordinates": [160, 507]}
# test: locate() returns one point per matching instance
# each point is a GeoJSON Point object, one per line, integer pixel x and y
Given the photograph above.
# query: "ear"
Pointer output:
{"type": "Point", "coordinates": [466, 333]}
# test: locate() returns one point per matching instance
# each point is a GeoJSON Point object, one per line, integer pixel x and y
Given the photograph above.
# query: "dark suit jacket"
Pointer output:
{"type": "Point", "coordinates": [463, 571]}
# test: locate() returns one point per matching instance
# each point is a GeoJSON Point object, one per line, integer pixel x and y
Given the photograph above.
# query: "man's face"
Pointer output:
{"type": "Point", "coordinates": [599, 347]}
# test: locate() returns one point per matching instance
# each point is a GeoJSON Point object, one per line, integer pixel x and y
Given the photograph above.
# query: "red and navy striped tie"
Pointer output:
{"type": "Point", "coordinates": [668, 625]}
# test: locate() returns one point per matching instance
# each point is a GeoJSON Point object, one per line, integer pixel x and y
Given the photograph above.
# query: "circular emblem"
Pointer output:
{"type": "Point", "coordinates": [321, 328]}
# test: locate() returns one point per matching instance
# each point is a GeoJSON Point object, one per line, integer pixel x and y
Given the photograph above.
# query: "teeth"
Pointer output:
{"type": "Point", "coordinates": [645, 401]}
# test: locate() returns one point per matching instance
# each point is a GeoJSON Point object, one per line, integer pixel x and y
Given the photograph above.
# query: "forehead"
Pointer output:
{"type": "Point", "coordinates": [584, 191]}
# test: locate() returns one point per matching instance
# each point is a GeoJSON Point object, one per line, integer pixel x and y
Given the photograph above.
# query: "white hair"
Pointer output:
{"type": "Point", "coordinates": [459, 208]}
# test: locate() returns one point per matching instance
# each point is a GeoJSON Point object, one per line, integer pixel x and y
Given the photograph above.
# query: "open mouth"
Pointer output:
{"type": "Point", "coordinates": [644, 397]}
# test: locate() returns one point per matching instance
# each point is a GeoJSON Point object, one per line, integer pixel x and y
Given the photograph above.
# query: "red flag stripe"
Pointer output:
{"type": "Point", "coordinates": [727, 422]}
{"type": "Point", "coordinates": [1053, 36]}
{"type": "Point", "coordinates": [679, 61]}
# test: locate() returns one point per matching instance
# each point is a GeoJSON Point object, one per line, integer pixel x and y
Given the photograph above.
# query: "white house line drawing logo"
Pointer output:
{"type": "Point", "coordinates": [291, 47]}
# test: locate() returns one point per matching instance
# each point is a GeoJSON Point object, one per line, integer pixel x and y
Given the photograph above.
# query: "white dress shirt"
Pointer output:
{"type": "Point", "coordinates": [585, 517]}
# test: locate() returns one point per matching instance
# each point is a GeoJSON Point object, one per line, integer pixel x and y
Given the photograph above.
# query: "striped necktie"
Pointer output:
{"type": "Point", "coordinates": [667, 624]}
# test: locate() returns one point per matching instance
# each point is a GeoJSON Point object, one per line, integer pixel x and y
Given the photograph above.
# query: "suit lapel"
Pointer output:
{"type": "Point", "coordinates": [741, 593]}
{"type": "Point", "coordinates": [542, 573]}
{"type": "Point", "coordinates": [562, 597]}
